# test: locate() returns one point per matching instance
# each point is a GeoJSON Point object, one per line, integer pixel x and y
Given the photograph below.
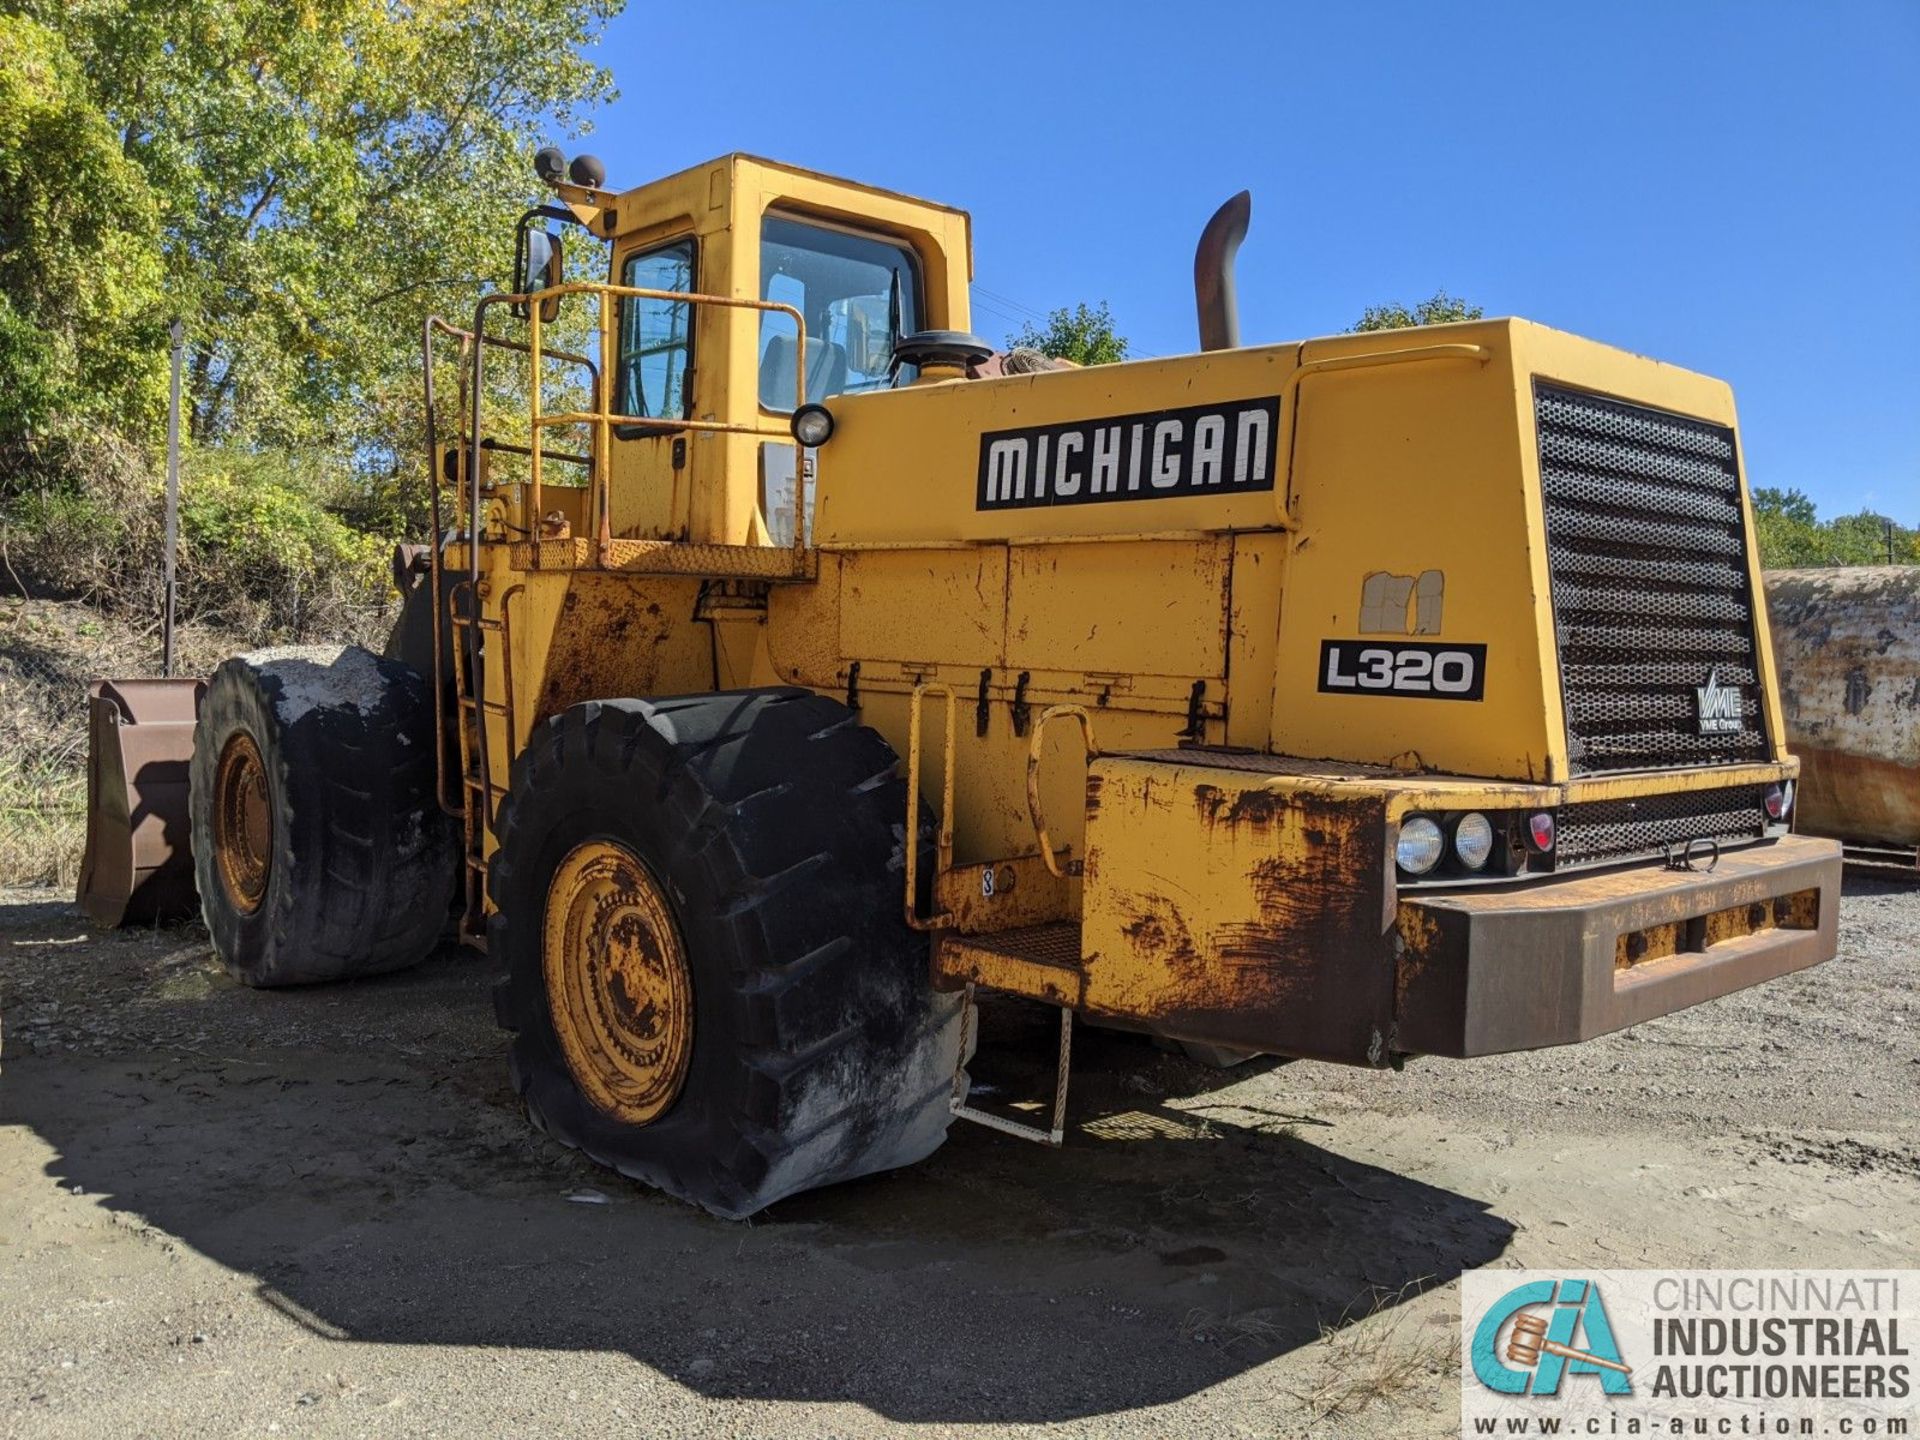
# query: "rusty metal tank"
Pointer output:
{"type": "Point", "coordinates": [1846, 642]}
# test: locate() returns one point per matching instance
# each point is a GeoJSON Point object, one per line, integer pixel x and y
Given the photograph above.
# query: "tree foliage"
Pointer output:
{"type": "Point", "coordinates": [1083, 334]}
{"type": "Point", "coordinates": [1792, 535]}
{"type": "Point", "coordinates": [1439, 309]}
{"type": "Point", "coordinates": [326, 172]}
{"type": "Point", "coordinates": [301, 182]}
{"type": "Point", "coordinates": [82, 323]}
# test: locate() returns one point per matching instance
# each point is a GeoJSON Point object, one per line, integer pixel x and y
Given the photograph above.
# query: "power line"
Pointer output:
{"type": "Point", "coordinates": [1008, 300]}
{"type": "Point", "coordinates": [986, 309]}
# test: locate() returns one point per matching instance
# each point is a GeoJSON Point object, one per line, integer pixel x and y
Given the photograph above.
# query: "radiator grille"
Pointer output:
{"type": "Point", "coordinates": [1599, 830]}
{"type": "Point", "coordinates": [1651, 601]}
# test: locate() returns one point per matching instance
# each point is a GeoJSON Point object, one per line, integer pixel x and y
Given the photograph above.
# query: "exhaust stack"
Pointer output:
{"type": "Point", "coordinates": [1213, 273]}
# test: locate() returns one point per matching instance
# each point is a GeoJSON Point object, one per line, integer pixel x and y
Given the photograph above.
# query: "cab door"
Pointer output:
{"type": "Point", "coordinates": [652, 387]}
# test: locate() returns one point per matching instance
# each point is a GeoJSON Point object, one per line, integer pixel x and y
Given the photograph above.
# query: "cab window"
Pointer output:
{"type": "Point", "coordinates": [858, 293]}
{"type": "Point", "coordinates": [656, 336]}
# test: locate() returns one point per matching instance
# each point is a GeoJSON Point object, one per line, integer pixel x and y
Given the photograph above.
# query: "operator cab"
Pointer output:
{"type": "Point", "coordinates": [859, 295]}
{"type": "Point", "coordinates": [797, 288]}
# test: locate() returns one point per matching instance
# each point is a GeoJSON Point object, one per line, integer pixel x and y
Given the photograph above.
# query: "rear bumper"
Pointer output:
{"type": "Point", "coordinates": [1482, 973]}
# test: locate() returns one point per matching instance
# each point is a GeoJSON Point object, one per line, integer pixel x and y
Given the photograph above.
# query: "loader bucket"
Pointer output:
{"type": "Point", "coordinates": [139, 862]}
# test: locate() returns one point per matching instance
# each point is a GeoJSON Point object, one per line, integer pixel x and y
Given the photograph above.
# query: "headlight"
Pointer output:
{"type": "Point", "coordinates": [1421, 846]}
{"type": "Point", "coordinates": [1473, 839]}
{"type": "Point", "coordinates": [1780, 800]}
{"type": "Point", "coordinates": [812, 425]}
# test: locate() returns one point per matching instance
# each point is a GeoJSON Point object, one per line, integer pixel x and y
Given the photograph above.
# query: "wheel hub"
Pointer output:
{"type": "Point", "coordinates": [617, 982]}
{"type": "Point", "coordinates": [242, 823]}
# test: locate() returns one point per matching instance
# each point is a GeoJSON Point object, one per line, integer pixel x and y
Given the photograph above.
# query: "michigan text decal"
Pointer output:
{"type": "Point", "coordinates": [1199, 450]}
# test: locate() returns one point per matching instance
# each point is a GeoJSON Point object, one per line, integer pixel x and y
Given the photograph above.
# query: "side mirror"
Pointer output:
{"type": "Point", "coordinates": [539, 263]}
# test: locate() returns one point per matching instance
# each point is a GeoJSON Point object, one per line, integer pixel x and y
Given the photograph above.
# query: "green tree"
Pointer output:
{"type": "Point", "coordinates": [82, 322]}
{"type": "Point", "coordinates": [1792, 535]}
{"type": "Point", "coordinates": [1869, 538]}
{"type": "Point", "coordinates": [328, 172]}
{"type": "Point", "coordinates": [1083, 334]}
{"type": "Point", "coordinates": [1440, 309]}
{"type": "Point", "coordinates": [1791, 505]}
{"type": "Point", "coordinates": [1787, 528]}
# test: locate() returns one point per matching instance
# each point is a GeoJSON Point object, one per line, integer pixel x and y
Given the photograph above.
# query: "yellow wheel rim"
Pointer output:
{"type": "Point", "coordinates": [617, 982]}
{"type": "Point", "coordinates": [242, 823]}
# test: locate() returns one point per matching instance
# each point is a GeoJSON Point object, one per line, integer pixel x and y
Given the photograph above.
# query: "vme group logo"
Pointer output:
{"type": "Point", "coordinates": [1719, 706]}
{"type": "Point", "coordinates": [1545, 1334]}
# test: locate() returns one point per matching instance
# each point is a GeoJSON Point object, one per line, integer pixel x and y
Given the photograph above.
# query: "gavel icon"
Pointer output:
{"type": "Point", "coordinates": [1529, 1342]}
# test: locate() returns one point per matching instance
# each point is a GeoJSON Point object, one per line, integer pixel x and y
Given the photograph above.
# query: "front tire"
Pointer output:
{"type": "Point", "coordinates": [712, 986]}
{"type": "Point", "coordinates": [319, 846]}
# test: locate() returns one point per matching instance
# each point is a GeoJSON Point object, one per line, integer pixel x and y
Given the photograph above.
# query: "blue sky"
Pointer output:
{"type": "Point", "coordinates": [1731, 187]}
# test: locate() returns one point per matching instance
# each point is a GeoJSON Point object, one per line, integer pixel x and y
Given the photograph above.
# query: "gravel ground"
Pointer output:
{"type": "Point", "coordinates": [321, 1213]}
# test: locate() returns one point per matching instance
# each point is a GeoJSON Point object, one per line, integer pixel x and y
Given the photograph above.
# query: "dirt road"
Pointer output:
{"type": "Point", "coordinates": [320, 1213]}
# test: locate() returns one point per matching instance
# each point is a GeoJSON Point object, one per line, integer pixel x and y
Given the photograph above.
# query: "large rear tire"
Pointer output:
{"type": "Point", "coordinates": [711, 982]}
{"type": "Point", "coordinates": [319, 846]}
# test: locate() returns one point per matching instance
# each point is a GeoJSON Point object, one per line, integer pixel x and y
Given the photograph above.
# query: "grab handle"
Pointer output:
{"type": "Point", "coordinates": [1047, 853]}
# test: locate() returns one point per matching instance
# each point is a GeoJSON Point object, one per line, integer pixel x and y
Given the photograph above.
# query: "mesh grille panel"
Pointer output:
{"type": "Point", "coordinates": [1650, 592]}
{"type": "Point", "coordinates": [1620, 829]}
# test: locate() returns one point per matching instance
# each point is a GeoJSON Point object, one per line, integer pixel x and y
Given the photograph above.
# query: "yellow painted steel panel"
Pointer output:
{"type": "Point", "coordinates": [1238, 908]}
{"type": "Point", "coordinates": [956, 614]}
{"type": "Point", "coordinates": [1258, 585]}
{"type": "Point", "coordinates": [1443, 439]}
{"type": "Point", "coordinates": [1154, 607]}
{"type": "Point", "coordinates": [906, 465]}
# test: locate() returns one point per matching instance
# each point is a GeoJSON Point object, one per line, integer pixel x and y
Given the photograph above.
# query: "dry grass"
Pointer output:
{"type": "Point", "coordinates": [42, 819]}
{"type": "Point", "coordinates": [49, 651]}
{"type": "Point", "coordinates": [1381, 1355]}
{"type": "Point", "coordinates": [1241, 1330]}
{"type": "Point", "coordinates": [1379, 1351]}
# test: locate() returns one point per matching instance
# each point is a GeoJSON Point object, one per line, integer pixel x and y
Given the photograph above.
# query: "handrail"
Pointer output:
{"type": "Point", "coordinates": [943, 837]}
{"type": "Point", "coordinates": [1051, 713]}
{"type": "Point", "coordinates": [427, 329]}
{"type": "Point", "coordinates": [500, 342]}
{"type": "Point", "coordinates": [604, 417]}
{"type": "Point", "coordinates": [431, 326]}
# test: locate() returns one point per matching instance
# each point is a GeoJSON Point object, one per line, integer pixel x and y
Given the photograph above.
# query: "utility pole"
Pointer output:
{"type": "Point", "coordinates": [173, 500]}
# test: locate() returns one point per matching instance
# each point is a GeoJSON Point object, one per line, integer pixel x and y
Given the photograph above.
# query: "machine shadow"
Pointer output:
{"type": "Point", "coordinates": [1878, 879]}
{"type": "Point", "coordinates": [356, 1152]}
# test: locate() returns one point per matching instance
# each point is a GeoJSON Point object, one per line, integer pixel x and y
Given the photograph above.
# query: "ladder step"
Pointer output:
{"type": "Point", "coordinates": [1056, 1134]}
{"type": "Point", "coordinates": [492, 707]}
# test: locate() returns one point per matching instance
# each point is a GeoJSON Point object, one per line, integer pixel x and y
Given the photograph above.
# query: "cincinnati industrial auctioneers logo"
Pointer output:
{"type": "Point", "coordinates": [1689, 1352]}
{"type": "Point", "coordinates": [1518, 1350]}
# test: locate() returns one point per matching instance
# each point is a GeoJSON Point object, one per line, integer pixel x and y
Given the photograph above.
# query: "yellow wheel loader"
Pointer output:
{"type": "Point", "coordinates": [786, 669]}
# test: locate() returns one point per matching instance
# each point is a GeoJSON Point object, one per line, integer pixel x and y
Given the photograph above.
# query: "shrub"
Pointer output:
{"type": "Point", "coordinates": [79, 519]}
{"type": "Point", "coordinates": [263, 551]}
